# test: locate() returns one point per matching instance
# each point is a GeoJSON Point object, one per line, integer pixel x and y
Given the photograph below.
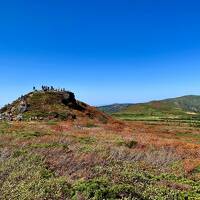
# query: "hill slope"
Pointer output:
{"type": "Point", "coordinates": [51, 104]}
{"type": "Point", "coordinates": [114, 108]}
{"type": "Point", "coordinates": [175, 107]}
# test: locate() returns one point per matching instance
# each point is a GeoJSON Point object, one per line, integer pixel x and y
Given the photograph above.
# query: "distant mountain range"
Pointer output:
{"type": "Point", "coordinates": [185, 105]}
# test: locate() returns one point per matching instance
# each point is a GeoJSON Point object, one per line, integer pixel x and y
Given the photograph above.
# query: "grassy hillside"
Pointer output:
{"type": "Point", "coordinates": [186, 107]}
{"type": "Point", "coordinates": [114, 108]}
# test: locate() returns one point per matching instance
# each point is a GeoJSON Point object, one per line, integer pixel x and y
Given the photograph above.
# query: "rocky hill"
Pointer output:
{"type": "Point", "coordinates": [49, 103]}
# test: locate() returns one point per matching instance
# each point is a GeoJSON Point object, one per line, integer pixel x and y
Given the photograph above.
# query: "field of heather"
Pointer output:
{"type": "Point", "coordinates": [131, 160]}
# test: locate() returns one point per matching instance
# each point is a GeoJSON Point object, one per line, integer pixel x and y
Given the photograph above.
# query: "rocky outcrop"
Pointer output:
{"type": "Point", "coordinates": [14, 112]}
{"type": "Point", "coordinates": [22, 106]}
{"type": "Point", "coordinates": [68, 97]}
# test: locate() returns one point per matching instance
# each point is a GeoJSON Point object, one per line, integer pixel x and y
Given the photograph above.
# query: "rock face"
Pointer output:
{"type": "Point", "coordinates": [68, 97]}
{"type": "Point", "coordinates": [22, 106]}
{"type": "Point", "coordinates": [47, 104]}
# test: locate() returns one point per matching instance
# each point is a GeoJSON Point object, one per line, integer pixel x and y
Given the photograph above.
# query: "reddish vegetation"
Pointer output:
{"type": "Point", "coordinates": [147, 136]}
{"type": "Point", "coordinates": [157, 144]}
{"type": "Point", "coordinates": [163, 135]}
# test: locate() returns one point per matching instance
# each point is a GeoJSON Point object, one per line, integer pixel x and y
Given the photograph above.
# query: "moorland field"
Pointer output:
{"type": "Point", "coordinates": [93, 159]}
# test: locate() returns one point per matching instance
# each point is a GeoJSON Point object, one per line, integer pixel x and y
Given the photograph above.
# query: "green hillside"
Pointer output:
{"type": "Point", "coordinates": [114, 108]}
{"type": "Point", "coordinates": [175, 108]}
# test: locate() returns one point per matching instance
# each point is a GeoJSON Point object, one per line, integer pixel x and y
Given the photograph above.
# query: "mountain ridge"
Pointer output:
{"type": "Point", "coordinates": [178, 105]}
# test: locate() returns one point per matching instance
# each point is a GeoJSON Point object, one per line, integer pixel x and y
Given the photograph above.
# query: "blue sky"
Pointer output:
{"type": "Point", "coordinates": [105, 51]}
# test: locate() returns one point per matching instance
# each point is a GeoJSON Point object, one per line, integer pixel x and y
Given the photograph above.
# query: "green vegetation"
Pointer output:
{"type": "Point", "coordinates": [4, 126]}
{"type": "Point", "coordinates": [113, 108]}
{"type": "Point", "coordinates": [181, 108]}
{"type": "Point", "coordinates": [130, 143]}
{"type": "Point", "coordinates": [24, 176]}
{"type": "Point", "coordinates": [50, 145]}
{"type": "Point", "coordinates": [102, 188]}
{"type": "Point", "coordinates": [42, 184]}
{"type": "Point", "coordinates": [91, 125]}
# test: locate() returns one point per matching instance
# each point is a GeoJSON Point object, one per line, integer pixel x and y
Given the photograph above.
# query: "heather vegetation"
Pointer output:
{"type": "Point", "coordinates": [93, 156]}
{"type": "Point", "coordinates": [137, 160]}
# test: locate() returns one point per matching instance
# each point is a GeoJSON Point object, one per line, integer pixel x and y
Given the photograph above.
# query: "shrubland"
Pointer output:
{"type": "Point", "coordinates": [130, 160]}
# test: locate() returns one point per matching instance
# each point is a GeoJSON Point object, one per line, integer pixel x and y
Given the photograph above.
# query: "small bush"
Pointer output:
{"type": "Point", "coordinates": [90, 125]}
{"type": "Point", "coordinates": [86, 140]}
{"type": "Point", "coordinates": [18, 153]}
{"type": "Point", "coordinates": [130, 144]}
{"type": "Point", "coordinates": [101, 188]}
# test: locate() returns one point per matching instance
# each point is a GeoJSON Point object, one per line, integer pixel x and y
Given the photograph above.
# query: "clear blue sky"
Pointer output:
{"type": "Point", "coordinates": [106, 51]}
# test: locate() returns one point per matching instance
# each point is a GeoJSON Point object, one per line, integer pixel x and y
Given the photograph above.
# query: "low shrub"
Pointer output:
{"type": "Point", "coordinates": [130, 144]}
{"type": "Point", "coordinates": [101, 188]}
{"type": "Point", "coordinates": [24, 176]}
{"type": "Point", "coordinates": [90, 125]}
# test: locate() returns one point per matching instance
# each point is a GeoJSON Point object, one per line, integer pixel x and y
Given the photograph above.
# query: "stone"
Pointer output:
{"type": "Point", "coordinates": [19, 117]}
{"type": "Point", "coordinates": [22, 106]}
{"type": "Point", "coordinates": [68, 97]}
{"type": "Point", "coordinates": [13, 109]}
